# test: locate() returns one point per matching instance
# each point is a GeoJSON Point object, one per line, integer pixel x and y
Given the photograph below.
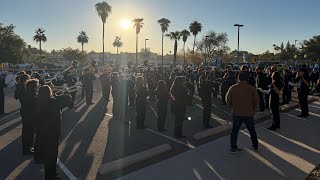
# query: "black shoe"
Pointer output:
{"type": "Point", "coordinates": [303, 115]}
{"type": "Point", "coordinates": [180, 136]}
{"type": "Point", "coordinates": [272, 128]}
{"type": "Point", "coordinates": [207, 127]}
{"type": "Point", "coordinates": [90, 103]}
{"type": "Point", "coordinates": [235, 150]}
{"type": "Point", "coordinates": [163, 130]}
{"type": "Point", "coordinates": [256, 149]}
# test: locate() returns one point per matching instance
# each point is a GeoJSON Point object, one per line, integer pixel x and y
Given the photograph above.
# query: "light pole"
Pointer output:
{"type": "Point", "coordinates": [205, 62]}
{"type": "Point", "coordinates": [238, 25]}
{"type": "Point", "coordinates": [145, 49]}
{"type": "Point", "coordinates": [295, 43]}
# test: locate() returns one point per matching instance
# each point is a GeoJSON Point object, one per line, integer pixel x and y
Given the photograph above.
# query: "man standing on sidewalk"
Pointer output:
{"type": "Point", "coordinates": [243, 99]}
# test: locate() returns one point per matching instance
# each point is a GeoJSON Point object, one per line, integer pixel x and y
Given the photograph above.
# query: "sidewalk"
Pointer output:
{"type": "Point", "coordinates": [290, 153]}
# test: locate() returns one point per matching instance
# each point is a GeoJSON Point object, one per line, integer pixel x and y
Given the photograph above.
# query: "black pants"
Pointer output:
{"type": "Point", "coordinates": [179, 118]}
{"type": "Point", "coordinates": [162, 114]}
{"type": "Point", "coordinates": [286, 95]}
{"type": "Point", "coordinates": [275, 116]}
{"type": "Point", "coordinates": [303, 100]}
{"type": "Point", "coordinates": [89, 94]}
{"type": "Point", "coordinates": [141, 108]}
{"type": "Point", "coordinates": [266, 97]}
{"type": "Point", "coordinates": [27, 136]}
{"type": "Point", "coordinates": [73, 95]}
{"type": "Point", "coordinates": [1, 102]}
{"type": "Point", "coordinates": [206, 112]}
{"type": "Point", "coordinates": [132, 99]}
{"type": "Point", "coordinates": [50, 162]}
{"type": "Point", "coordinates": [261, 98]}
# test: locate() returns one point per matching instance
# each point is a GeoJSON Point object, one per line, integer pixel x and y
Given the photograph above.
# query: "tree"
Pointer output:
{"type": "Point", "coordinates": [40, 37]}
{"type": "Point", "coordinates": [311, 48]}
{"type": "Point", "coordinates": [174, 36]}
{"type": "Point", "coordinates": [146, 53]}
{"type": "Point", "coordinates": [195, 27]}
{"type": "Point", "coordinates": [185, 34]}
{"type": "Point", "coordinates": [74, 54]}
{"type": "Point", "coordinates": [138, 24]}
{"type": "Point", "coordinates": [104, 10]}
{"type": "Point", "coordinates": [82, 38]}
{"type": "Point", "coordinates": [117, 43]}
{"type": "Point", "coordinates": [12, 46]}
{"type": "Point", "coordinates": [213, 45]}
{"type": "Point", "coordinates": [164, 24]}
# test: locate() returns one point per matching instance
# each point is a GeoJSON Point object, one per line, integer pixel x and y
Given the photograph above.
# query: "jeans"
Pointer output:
{"type": "Point", "coordinates": [249, 122]}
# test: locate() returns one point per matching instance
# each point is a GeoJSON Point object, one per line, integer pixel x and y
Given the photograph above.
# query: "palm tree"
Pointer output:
{"type": "Point", "coordinates": [164, 24]}
{"type": "Point", "coordinates": [174, 36]}
{"type": "Point", "coordinates": [103, 10]}
{"type": "Point", "coordinates": [138, 24]}
{"type": "Point", "coordinates": [117, 43]}
{"type": "Point", "coordinates": [82, 38]}
{"type": "Point", "coordinates": [185, 33]}
{"type": "Point", "coordinates": [195, 27]}
{"type": "Point", "coordinates": [40, 37]}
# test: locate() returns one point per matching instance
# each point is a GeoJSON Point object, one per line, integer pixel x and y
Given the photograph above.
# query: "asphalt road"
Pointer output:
{"type": "Point", "coordinates": [91, 137]}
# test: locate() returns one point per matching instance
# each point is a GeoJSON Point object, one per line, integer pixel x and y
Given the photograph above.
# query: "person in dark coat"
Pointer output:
{"type": "Point", "coordinates": [275, 93]}
{"type": "Point", "coordinates": [115, 92]}
{"type": "Point", "coordinates": [303, 91]}
{"type": "Point", "coordinates": [123, 87]}
{"type": "Point", "coordinates": [142, 93]}
{"type": "Point", "coordinates": [205, 92]}
{"type": "Point", "coordinates": [49, 116]}
{"type": "Point", "coordinates": [179, 94]}
{"type": "Point", "coordinates": [88, 78]}
{"type": "Point", "coordinates": [163, 96]}
{"type": "Point", "coordinates": [131, 92]}
{"type": "Point", "coordinates": [261, 83]}
{"type": "Point", "coordinates": [71, 80]}
{"type": "Point", "coordinates": [2, 86]}
{"type": "Point", "coordinates": [28, 114]}
{"type": "Point", "coordinates": [106, 85]}
{"type": "Point", "coordinates": [286, 96]}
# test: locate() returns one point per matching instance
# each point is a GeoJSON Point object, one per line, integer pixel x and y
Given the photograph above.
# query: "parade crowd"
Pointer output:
{"type": "Point", "coordinates": [246, 91]}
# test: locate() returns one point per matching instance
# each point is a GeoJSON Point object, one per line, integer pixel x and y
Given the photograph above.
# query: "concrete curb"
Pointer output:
{"type": "Point", "coordinates": [212, 131]}
{"type": "Point", "coordinates": [127, 161]}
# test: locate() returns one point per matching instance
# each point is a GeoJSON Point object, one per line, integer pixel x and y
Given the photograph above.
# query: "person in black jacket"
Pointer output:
{"type": "Point", "coordinates": [261, 83]}
{"type": "Point", "coordinates": [106, 86]}
{"type": "Point", "coordinates": [88, 78]}
{"type": "Point", "coordinates": [131, 92]}
{"type": "Point", "coordinates": [142, 93]}
{"type": "Point", "coordinates": [28, 114]}
{"type": "Point", "coordinates": [123, 87]}
{"type": "Point", "coordinates": [115, 83]}
{"type": "Point", "coordinates": [71, 80]}
{"type": "Point", "coordinates": [162, 95]}
{"type": "Point", "coordinates": [205, 92]}
{"type": "Point", "coordinates": [179, 94]}
{"type": "Point", "coordinates": [2, 85]}
{"type": "Point", "coordinates": [275, 92]}
{"type": "Point", "coordinates": [303, 91]}
{"type": "Point", "coordinates": [49, 116]}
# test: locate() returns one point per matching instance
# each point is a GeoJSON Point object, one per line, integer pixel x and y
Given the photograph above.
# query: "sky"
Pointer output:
{"type": "Point", "coordinates": [265, 22]}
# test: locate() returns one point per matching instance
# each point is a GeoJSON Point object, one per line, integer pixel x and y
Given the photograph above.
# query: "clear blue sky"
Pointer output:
{"type": "Point", "coordinates": [266, 22]}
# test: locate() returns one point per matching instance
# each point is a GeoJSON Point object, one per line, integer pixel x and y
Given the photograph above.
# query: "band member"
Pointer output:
{"type": "Point", "coordinates": [106, 85]}
{"type": "Point", "coordinates": [123, 96]}
{"type": "Point", "coordinates": [286, 96]}
{"type": "Point", "coordinates": [190, 85]}
{"type": "Point", "coordinates": [115, 83]}
{"type": "Point", "coordinates": [88, 78]}
{"type": "Point", "coordinates": [131, 92]}
{"type": "Point", "coordinates": [227, 82]}
{"type": "Point", "coordinates": [20, 90]}
{"type": "Point", "coordinates": [179, 94]}
{"type": "Point", "coordinates": [205, 92]}
{"type": "Point", "coordinates": [261, 83]}
{"type": "Point", "coordinates": [142, 93]}
{"type": "Point", "coordinates": [49, 116]}
{"type": "Point", "coordinates": [303, 91]}
{"type": "Point", "coordinates": [275, 92]}
{"type": "Point", "coordinates": [71, 80]}
{"type": "Point", "coordinates": [2, 85]}
{"type": "Point", "coordinates": [269, 82]}
{"type": "Point", "coordinates": [163, 98]}
{"type": "Point", "coordinates": [28, 114]}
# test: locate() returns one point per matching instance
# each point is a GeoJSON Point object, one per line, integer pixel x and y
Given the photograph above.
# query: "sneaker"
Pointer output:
{"type": "Point", "coordinates": [235, 150]}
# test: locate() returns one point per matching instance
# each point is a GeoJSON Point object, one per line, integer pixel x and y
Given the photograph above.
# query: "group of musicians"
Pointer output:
{"type": "Point", "coordinates": [42, 101]}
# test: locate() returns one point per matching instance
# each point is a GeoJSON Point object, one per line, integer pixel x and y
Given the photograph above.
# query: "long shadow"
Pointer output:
{"type": "Point", "coordinates": [81, 139]}
{"type": "Point", "coordinates": [5, 120]}
{"type": "Point", "coordinates": [9, 128]}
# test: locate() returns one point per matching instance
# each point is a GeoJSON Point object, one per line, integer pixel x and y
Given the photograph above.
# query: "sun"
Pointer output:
{"type": "Point", "coordinates": [125, 23]}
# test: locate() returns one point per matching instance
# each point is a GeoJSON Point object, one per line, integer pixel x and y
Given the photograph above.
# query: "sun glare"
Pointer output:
{"type": "Point", "coordinates": [125, 23]}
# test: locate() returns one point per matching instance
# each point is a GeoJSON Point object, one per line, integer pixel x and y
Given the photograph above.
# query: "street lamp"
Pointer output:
{"type": "Point", "coordinates": [145, 49]}
{"type": "Point", "coordinates": [295, 43]}
{"type": "Point", "coordinates": [205, 62]}
{"type": "Point", "coordinates": [238, 25]}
